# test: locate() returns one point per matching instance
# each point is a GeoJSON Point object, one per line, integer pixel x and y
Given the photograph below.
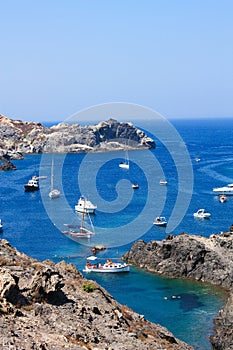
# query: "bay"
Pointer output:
{"type": "Point", "coordinates": [33, 223]}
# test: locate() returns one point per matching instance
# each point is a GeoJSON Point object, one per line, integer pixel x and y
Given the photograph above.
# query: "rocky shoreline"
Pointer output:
{"type": "Point", "coordinates": [18, 138]}
{"type": "Point", "coordinates": [197, 258]}
{"type": "Point", "coordinates": [46, 306]}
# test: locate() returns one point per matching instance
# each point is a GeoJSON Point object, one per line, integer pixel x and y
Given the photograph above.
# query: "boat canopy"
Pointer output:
{"type": "Point", "coordinates": [92, 258]}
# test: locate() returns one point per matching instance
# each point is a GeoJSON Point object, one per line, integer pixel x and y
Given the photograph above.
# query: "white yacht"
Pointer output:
{"type": "Point", "coordinates": [201, 214]}
{"type": "Point", "coordinates": [1, 225]}
{"type": "Point", "coordinates": [32, 185]}
{"type": "Point", "coordinates": [227, 190]}
{"type": "Point", "coordinates": [85, 206]}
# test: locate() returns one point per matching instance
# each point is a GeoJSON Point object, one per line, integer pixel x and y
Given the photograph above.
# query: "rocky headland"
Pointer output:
{"type": "Point", "coordinates": [18, 137]}
{"type": "Point", "coordinates": [46, 306]}
{"type": "Point", "coordinates": [194, 257]}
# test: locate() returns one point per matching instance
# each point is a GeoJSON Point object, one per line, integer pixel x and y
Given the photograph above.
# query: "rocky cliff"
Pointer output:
{"type": "Point", "coordinates": [194, 257]}
{"type": "Point", "coordinates": [51, 306]}
{"type": "Point", "coordinates": [17, 137]}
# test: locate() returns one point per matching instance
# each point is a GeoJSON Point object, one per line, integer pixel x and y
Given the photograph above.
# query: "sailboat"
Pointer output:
{"type": "Point", "coordinates": [54, 193]}
{"type": "Point", "coordinates": [81, 231]}
{"type": "Point", "coordinates": [125, 164]}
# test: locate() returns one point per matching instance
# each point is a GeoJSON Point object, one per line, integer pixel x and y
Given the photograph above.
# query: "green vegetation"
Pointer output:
{"type": "Point", "coordinates": [88, 287]}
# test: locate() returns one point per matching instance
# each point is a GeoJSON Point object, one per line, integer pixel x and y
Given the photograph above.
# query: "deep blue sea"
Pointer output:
{"type": "Point", "coordinates": [33, 223]}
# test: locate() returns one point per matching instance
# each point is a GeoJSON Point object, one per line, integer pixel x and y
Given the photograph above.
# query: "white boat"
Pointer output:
{"type": "Point", "coordinates": [1, 225]}
{"type": "Point", "coordinates": [163, 182]}
{"type": "Point", "coordinates": [227, 190]}
{"type": "Point", "coordinates": [160, 221]}
{"type": "Point", "coordinates": [75, 231]}
{"type": "Point", "coordinates": [54, 193]}
{"type": "Point", "coordinates": [109, 266]}
{"type": "Point", "coordinates": [125, 164]}
{"type": "Point", "coordinates": [135, 186]}
{"type": "Point", "coordinates": [85, 206]}
{"type": "Point", "coordinates": [201, 214]}
{"type": "Point", "coordinates": [32, 185]}
{"type": "Point", "coordinates": [197, 159]}
{"type": "Point", "coordinates": [222, 198]}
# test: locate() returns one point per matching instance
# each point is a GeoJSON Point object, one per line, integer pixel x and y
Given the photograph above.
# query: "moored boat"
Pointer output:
{"type": "Point", "coordinates": [222, 198]}
{"type": "Point", "coordinates": [227, 190]}
{"type": "Point", "coordinates": [109, 266]}
{"type": "Point", "coordinates": [32, 185]}
{"type": "Point", "coordinates": [163, 182]}
{"type": "Point", "coordinates": [202, 214]}
{"type": "Point", "coordinates": [135, 186]}
{"type": "Point", "coordinates": [160, 221]}
{"type": "Point", "coordinates": [79, 231]}
{"type": "Point", "coordinates": [85, 206]}
{"type": "Point", "coordinates": [1, 225]}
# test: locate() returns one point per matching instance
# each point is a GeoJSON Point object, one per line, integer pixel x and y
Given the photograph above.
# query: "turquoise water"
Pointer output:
{"type": "Point", "coordinates": [126, 215]}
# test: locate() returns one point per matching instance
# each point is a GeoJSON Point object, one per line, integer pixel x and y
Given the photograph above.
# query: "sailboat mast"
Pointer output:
{"type": "Point", "coordinates": [52, 175]}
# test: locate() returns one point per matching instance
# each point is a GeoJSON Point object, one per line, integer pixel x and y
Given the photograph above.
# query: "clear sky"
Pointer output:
{"type": "Point", "coordinates": [60, 56]}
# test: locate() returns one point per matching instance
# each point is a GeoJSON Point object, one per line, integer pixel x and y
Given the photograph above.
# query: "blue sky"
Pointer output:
{"type": "Point", "coordinates": [58, 57]}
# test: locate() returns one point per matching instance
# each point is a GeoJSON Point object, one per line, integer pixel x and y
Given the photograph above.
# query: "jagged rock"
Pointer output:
{"type": "Point", "coordinates": [7, 165]}
{"type": "Point", "coordinates": [194, 257]}
{"type": "Point", "coordinates": [80, 320]}
{"type": "Point", "coordinates": [17, 137]}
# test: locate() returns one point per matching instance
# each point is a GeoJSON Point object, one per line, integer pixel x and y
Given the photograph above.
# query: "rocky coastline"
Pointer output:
{"type": "Point", "coordinates": [18, 138]}
{"type": "Point", "coordinates": [46, 306]}
{"type": "Point", "coordinates": [198, 258]}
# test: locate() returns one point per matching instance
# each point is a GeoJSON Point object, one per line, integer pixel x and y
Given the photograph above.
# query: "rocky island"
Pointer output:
{"type": "Point", "coordinates": [46, 306]}
{"type": "Point", "coordinates": [18, 137]}
{"type": "Point", "coordinates": [194, 257]}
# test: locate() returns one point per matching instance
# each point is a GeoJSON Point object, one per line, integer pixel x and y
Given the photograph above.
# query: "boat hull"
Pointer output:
{"type": "Point", "coordinates": [107, 270]}
{"type": "Point", "coordinates": [124, 166]}
{"type": "Point", "coordinates": [31, 188]}
{"type": "Point", "coordinates": [85, 210]}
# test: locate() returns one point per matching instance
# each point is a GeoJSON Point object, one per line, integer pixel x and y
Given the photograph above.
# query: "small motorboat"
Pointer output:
{"type": "Point", "coordinates": [201, 214]}
{"type": "Point", "coordinates": [160, 221]}
{"type": "Point", "coordinates": [1, 225]}
{"type": "Point", "coordinates": [163, 182]}
{"type": "Point", "coordinates": [222, 198]}
{"type": "Point", "coordinates": [227, 190]}
{"type": "Point", "coordinates": [197, 160]}
{"type": "Point", "coordinates": [85, 206]}
{"type": "Point", "coordinates": [135, 186]}
{"type": "Point", "coordinates": [93, 264]}
{"type": "Point", "coordinates": [32, 185]}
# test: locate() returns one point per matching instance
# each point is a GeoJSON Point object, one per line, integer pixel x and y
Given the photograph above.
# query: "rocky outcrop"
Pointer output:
{"type": "Point", "coordinates": [51, 306]}
{"type": "Point", "coordinates": [7, 165]}
{"type": "Point", "coordinates": [194, 257]}
{"type": "Point", "coordinates": [17, 137]}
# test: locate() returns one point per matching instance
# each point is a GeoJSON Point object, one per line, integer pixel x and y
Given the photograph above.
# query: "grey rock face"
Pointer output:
{"type": "Point", "coordinates": [194, 257]}
{"type": "Point", "coordinates": [45, 306]}
{"type": "Point", "coordinates": [17, 137]}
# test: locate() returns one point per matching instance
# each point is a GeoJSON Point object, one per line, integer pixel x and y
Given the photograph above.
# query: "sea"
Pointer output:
{"type": "Point", "coordinates": [194, 156]}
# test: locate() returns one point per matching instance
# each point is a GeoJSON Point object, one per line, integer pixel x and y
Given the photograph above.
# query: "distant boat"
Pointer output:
{"type": "Point", "coordinates": [1, 225]}
{"type": "Point", "coordinates": [163, 182]}
{"type": "Point", "coordinates": [227, 190]}
{"type": "Point", "coordinates": [201, 214]}
{"type": "Point", "coordinates": [32, 185]}
{"type": "Point", "coordinates": [135, 186]}
{"type": "Point", "coordinates": [160, 221]}
{"type": "Point", "coordinates": [109, 266]}
{"type": "Point", "coordinates": [85, 206]}
{"type": "Point", "coordinates": [76, 231]}
{"type": "Point", "coordinates": [54, 193]}
{"type": "Point", "coordinates": [222, 198]}
{"type": "Point", "coordinates": [197, 159]}
{"type": "Point", "coordinates": [125, 164]}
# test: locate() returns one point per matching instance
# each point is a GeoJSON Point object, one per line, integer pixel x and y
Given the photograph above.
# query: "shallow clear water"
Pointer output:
{"type": "Point", "coordinates": [125, 215]}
